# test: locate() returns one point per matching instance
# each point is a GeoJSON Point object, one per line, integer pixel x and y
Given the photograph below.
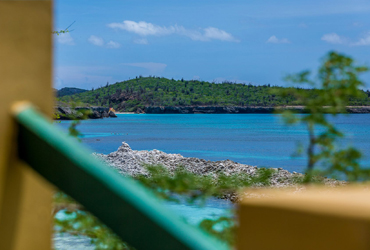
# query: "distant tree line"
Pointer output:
{"type": "Point", "coordinates": [158, 91]}
{"type": "Point", "coordinates": [68, 91]}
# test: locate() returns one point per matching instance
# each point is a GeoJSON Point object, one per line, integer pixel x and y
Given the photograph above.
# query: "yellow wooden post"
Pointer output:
{"type": "Point", "coordinates": [25, 74]}
{"type": "Point", "coordinates": [318, 219]}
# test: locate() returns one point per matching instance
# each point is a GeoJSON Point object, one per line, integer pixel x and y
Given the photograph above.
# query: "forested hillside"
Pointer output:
{"type": "Point", "coordinates": [69, 91]}
{"type": "Point", "coordinates": [156, 91]}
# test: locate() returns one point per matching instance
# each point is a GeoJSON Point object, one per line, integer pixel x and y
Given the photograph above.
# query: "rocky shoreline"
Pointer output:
{"type": "Point", "coordinates": [96, 112]}
{"type": "Point", "coordinates": [131, 162]}
{"type": "Point", "coordinates": [238, 110]}
{"type": "Point", "coordinates": [68, 113]}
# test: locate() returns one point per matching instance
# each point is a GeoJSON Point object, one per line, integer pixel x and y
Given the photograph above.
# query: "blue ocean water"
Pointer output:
{"type": "Point", "coordinates": [254, 139]}
{"type": "Point", "coordinates": [192, 214]}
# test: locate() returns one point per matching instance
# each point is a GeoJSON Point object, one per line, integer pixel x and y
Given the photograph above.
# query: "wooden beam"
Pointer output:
{"type": "Point", "coordinates": [26, 73]}
{"type": "Point", "coordinates": [318, 218]}
{"type": "Point", "coordinates": [121, 203]}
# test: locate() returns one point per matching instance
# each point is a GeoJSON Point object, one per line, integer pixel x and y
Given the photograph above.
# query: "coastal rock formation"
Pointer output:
{"type": "Point", "coordinates": [68, 113]}
{"type": "Point", "coordinates": [358, 110]}
{"type": "Point", "coordinates": [95, 115]}
{"type": "Point", "coordinates": [139, 111]}
{"type": "Point", "coordinates": [237, 109]}
{"type": "Point", "coordinates": [132, 162]}
{"type": "Point", "coordinates": [112, 114]}
{"type": "Point", "coordinates": [214, 110]}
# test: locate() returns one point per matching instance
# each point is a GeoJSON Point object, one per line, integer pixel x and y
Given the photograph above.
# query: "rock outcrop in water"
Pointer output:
{"type": "Point", "coordinates": [132, 162]}
{"type": "Point", "coordinates": [68, 113]}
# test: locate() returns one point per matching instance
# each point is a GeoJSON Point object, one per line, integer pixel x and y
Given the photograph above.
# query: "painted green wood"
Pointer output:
{"type": "Point", "coordinates": [122, 204]}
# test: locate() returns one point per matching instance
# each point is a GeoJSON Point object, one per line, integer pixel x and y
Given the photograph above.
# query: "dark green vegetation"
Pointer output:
{"type": "Point", "coordinates": [338, 78]}
{"type": "Point", "coordinates": [69, 91]}
{"type": "Point", "coordinates": [157, 91]}
{"type": "Point", "coordinates": [195, 186]}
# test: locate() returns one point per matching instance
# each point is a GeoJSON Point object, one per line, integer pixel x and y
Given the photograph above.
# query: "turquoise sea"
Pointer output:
{"type": "Point", "coordinates": [192, 214]}
{"type": "Point", "coordinates": [254, 139]}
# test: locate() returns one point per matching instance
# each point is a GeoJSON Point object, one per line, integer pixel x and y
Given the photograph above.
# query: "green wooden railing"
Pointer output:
{"type": "Point", "coordinates": [122, 204]}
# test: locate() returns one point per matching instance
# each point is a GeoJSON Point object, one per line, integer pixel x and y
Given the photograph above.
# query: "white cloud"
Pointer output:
{"type": "Point", "coordinates": [194, 35]}
{"type": "Point", "coordinates": [214, 33]}
{"type": "Point", "coordinates": [113, 45]}
{"type": "Point", "coordinates": [274, 39]}
{"type": "Point", "coordinates": [365, 40]}
{"type": "Point", "coordinates": [148, 29]}
{"type": "Point", "coordinates": [334, 38]}
{"type": "Point", "coordinates": [65, 38]}
{"type": "Point", "coordinates": [98, 41]}
{"type": "Point", "coordinates": [142, 28]}
{"type": "Point", "coordinates": [141, 41]}
{"type": "Point", "coordinates": [151, 66]}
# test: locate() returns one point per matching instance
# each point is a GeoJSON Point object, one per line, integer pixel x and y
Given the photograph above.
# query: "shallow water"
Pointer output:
{"type": "Point", "coordinates": [192, 214]}
{"type": "Point", "coordinates": [254, 139]}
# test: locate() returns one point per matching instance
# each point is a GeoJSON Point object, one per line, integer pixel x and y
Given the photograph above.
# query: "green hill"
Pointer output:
{"type": "Point", "coordinates": [156, 91]}
{"type": "Point", "coordinates": [69, 91]}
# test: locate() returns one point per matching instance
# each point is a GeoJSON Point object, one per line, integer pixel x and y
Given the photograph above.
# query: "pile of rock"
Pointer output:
{"type": "Point", "coordinates": [132, 162]}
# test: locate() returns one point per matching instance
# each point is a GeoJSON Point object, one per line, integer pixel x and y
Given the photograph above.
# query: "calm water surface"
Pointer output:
{"type": "Point", "coordinates": [192, 214]}
{"type": "Point", "coordinates": [254, 139]}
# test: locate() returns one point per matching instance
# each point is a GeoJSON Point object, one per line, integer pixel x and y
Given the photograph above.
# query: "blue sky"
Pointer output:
{"type": "Point", "coordinates": [243, 41]}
